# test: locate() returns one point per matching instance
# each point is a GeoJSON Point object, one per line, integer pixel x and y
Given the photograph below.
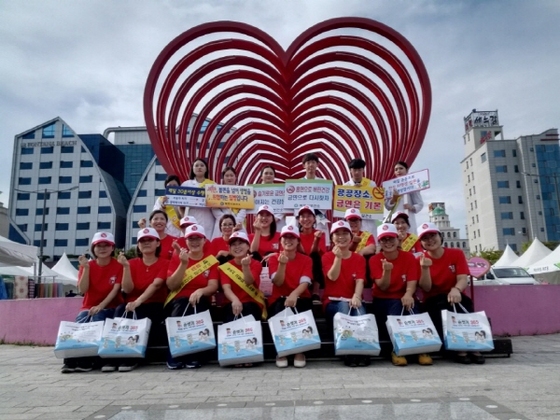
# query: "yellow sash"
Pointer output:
{"type": "Point", "coordinates": [409, 242]}
{"type": "Point", "coordinates": [365, 182]}
{"type": "Point", "coordinates": [236, 275]}
{"type": "Point", "coordinates": [191, 272]}
{"type": "Point", "coordinates": [171, 214]}
{"type": "Point", "coordinates": [365, 236]}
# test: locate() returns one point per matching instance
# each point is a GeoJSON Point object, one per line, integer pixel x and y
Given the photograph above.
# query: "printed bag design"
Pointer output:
{"type": "Point", "coordinates": [413, 334]}
{"type": "Point", "coordinates": [78, 339]}
{"type": "Point", "coordinates": [294, 333]}
{"type": "Point", "coordinates": [190, 334]}
{"type": "Point", "coordinates": [356, 335]}
{"type": "Point", "coordinates": [240, 341]}
{"type": "Point", "coordinates": [124, 337]}
{"type": "Point", "coordinates": [466, 331]}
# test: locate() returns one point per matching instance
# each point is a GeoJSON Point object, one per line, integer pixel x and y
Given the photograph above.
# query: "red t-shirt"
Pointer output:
{"type": "Point", "coordinates": [218, 244]}
{"type": "Point", "coordinates": [143, 275]}
{"type": "Point", "coordinates": [405, 268]}
{"type": "Point", "coordinates": [183, 244]}
{"type": "Point", "coordinates": [444, 271]}
{"type": "Point", "coordinates": [198, 282]}
{"type": "Point", "coordinates": [102, 279]}
{"type": "Point", "coordinates": [255, 268]}
{"type": "Point", "coordinates": [307, 240]}
{"type": "Point", "coordinates": [300, 266]}
{"type": "Point", "coordinates": [352, 269]}
{"type": "Point", "coordinates": [167, 250]}
{"type": "Point", "coordinates": [266, 245]}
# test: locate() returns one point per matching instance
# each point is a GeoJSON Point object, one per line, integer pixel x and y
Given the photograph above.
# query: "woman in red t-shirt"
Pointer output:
{"type": "Point", "coordinates": [99, 280]}
{"type": "Point", "coordinates": [219, 247]}
{"type": "Point", "coordinates": [443, 279]}
{"type": "Point", "coordinates": [266, 239]}
{"type": "Point", "coordinates": [407, 241]}
{"type": "Point", "coordinates": [291, 274]}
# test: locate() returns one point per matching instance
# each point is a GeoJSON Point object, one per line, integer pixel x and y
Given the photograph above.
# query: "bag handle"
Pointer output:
{"type": "Point", "coordinates": [133, 314]}
{"type": "Point", "coordinates": [461, 306]}
{"type": "Point", "coordinates": [410, 311]}
{"type": "Point", "coordinates": [88, 318]}
{"type": "Point", "coordinates": [350, 311]}
{"type": "Point", "coordinates": [187, 307]}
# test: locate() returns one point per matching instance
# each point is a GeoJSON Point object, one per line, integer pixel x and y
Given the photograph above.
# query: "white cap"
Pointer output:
{"type": "Point", "coordinates": [387, 229]}
{"type": "Point", "coordinates": [353, 214]}
{"type": "Point", "coordinates": [400, 214]}
{"type": "Point", "coordinates": [341, 224]}
{"type": "Point", "coordinates": [147, 233]}
{"type": "Point", "coordinates": [304, 209]}
{"type": "Point", "coordinates": [427, 227]}
{"type": "Point", "coordinates": [238, 235]}
{"type": "Point", "coordinates": [103, 237]}
{"type": "Point", "coordinates": [289, 230]}
{"type": "Point", "coordinates": [266, 208]}
{"type": "Point", "coordinates": [188, 220]}
{"type": "Point", "coordinates": [195, 230]}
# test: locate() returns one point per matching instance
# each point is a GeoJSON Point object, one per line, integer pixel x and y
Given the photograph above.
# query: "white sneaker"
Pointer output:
{"type": "Point", "coordinates": [108, 368]}
{"type": "Point", "coordinates": [127, 368]}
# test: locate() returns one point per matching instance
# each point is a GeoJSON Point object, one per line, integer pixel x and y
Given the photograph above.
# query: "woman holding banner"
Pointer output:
{"type": "Point", "coordinates": [268, 174]}
{"type": "Point", "coordinates": [229, 177]}
{"type": "Point", "coordinates": [174, 213]}
{"type": "Point", "coordinates": [407, 241]}
{"type": "Point", "coordinates": [409, 203]}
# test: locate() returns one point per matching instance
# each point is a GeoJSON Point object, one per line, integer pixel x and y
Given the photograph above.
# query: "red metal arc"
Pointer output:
{"type": "Point", "coordinates": [249, 103]}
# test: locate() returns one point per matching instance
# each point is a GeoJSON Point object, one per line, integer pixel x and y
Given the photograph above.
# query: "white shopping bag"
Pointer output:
{"type": "Point", "coordinates": [413, 334]}
{"type": "Point", "coordinates": [124, 337]}
{"type": "Point", "coordinates": [240, 341]}
{"type": "Point", "coordinates": [78, 339]}
{"type": "Point", "coordinates": [355, 335]}
{"type": "Point", "coordinates": [294, 333]}
{"type": "Point", "coordinates": [466, 331]}
{"type": "Point", "coordinates": [190, 334]}
{"type": "Point", "coordinates": [265, 284]}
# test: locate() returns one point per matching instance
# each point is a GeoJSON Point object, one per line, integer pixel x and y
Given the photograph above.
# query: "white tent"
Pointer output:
{"type": "Point", "coordinates": [65, 268]}
{"type": "Point", "coordinates": [507, 259]}
{"type": "Point", "coordinates": [12, 253]}
{"type": "Point", "coordinates": [49, 276]}
{"type": "Point", "coordinates": [537, 251]}
{"type": "Point", "coordinates": [548, 268]}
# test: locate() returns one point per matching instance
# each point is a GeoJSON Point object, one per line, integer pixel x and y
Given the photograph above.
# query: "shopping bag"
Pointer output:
{"type": "Point", "coordinates": [294, 332]}
{"type": "Point", "coordinates": [190, 334]}
{"type": "Point", "coordinates": [78, 339]}
{"type": "Point", "coordinates": [466, 331]}
{"type": "Point", "coordinates": [125, 337]}
{"type": "Point", "coordinates": [265, 284]}
{"type": "Point", "coordinates": [240, 341]}
{"type": "Point", "coordinates": [412, 334]}
{"type": "Point", "coordinates": [355, 335]}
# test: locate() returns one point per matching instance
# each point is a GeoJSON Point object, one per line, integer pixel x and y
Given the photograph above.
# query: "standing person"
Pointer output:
{"type": "Point", "coordinates": [363, 242]}
{"type": "Point", "coordinates": [408, 241]}
{"type": "Point", "coordinates": [99, 280]}
{"type": "Point", "coordinates": [345, 273]}
{"type": "Point", "coordinates": [268, 175]}
{"type": "Point", "coordinates": [199, 178]}
{"type": "Point", "coordinates": [395, 274]}
{"type": "Point", "coordinates": [443, 279]}
{"type": "Point", "coordinates": [144, 285]}
{"type": "Point", "coordinates": [357, 179]}
{"type": "Point", "coordinates": [220, 247]}
{"type": "Point", "coordinates": [229, 177]}
{"type": "Point", "coordinates": [266, 239]}
{"type": "Point", "coordinates": [291, 274]}
{"type": "Point", "coordinates": [158, 221]}
{"type": "Point", "coordinates": [310, 164]}
{"type": "Point", "coordinates": [409, 203]}
{"type": "Point", "coordinates": [192, 280]}
{"type": "Point", "coordinates": [174, 213]}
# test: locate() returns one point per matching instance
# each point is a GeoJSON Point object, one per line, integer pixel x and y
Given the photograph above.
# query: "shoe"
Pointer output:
{"type": "Point", "coordinates": [84, 367]}
{"type": "Point", "coordinates": [398, 360]}
{"type": "Point", "coordinates": [193, 364]}
{"type": "Point", "coordinates": [425, 359]}
{"type": "Point", "coordinates": [67, 369]}
{"type": "Point", "coordinates": [350, 361]}
{"type": "Point", "coordinates": [127, 368]}
{"type": "Point", "coordinates": [300, 363]}
{"type": "Point", "coordinates": [463, 358]}
{"type": "Point", "coordinates": [108, 368]}
{"type": "Point", "coordinates": [477, 359]}
{"type": "Point", "coordinates": [363, 361]}
{"type": "Point", "coordinates": [173, 365]}
{"type": "Point", "coordinates": [316, 299]}
{"type": "Point", "coordinates": [281, 362]}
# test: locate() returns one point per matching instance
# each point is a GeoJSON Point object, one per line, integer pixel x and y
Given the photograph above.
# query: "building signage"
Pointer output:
{"type": "Point", "coordinates": [481, 119]}
{"type": "Point", "coordinates": [49, 143]}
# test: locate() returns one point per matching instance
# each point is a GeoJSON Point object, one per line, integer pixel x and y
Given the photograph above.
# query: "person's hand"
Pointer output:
{"type": "Point", "coordinates": [238, 227]}
{"type": "Point", "coordinates": [83, 261]}
{"type": "Point", "coordinates": [395, 196]}
{"type": "Point", "coordinates": [267, 257]}
{"type": "Point", "coordinates": [142, 223]}
{"type": "Point", "coordinates": [195, 296]}
{"type": "Point", "coordinates": [131, 306]}
{"type": "Point", "coordinates": [425, 262]}
{"type": "Point", "coordinates": [184, 255]}
{"type": "Point", "coordinates": [356, 301]}
{"type": "Point", "coordinates": [163, 201]}
{"type": "Point", "coordinates": [257, 225]}
{"type": "Point", "coordinates": [318, 234]}
{"type": "Point", "coordinates": [402, 235]}
{"type": "Point", "coordinates": [246, 261]}
{"type": "Point", "coordinates": [454, 296]}
{"type": "Point", "coordinates": [222, 253]}
{"type": "Point", "coordinates": [356, 239]}
{"type": "Point", "coordinates": [407, 302]}
{"type": "Point", "coordinates": [387, 266]}
{"type": "Point", "coordinates": [283, 258]}
{"type": "Point", "coordinates": [95, 310]}
{"type": "Point", "coordinates": [337, 252]}
{"type": "Point", "coordinates": [407, 206]}
{"type": "Point", "coordinates": [122, 259]}
{"type": "Point", "coordinates": [236, 307]}
{"type": "Point", "coordinates": [291, 300]}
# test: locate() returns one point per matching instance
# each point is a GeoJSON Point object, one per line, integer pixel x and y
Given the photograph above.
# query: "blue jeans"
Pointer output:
{"type": "Point", "coordinates": [100, 316]}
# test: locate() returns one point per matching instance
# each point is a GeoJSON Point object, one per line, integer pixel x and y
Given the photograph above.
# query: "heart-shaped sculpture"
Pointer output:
{"type": "Point", "coordinates": [346, 88]}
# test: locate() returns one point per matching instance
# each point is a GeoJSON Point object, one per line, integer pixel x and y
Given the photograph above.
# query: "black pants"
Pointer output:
{"type": "Point", "coordinates": [434, 305]}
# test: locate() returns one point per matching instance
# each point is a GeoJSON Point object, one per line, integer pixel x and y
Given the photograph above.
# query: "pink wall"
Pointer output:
{"type": "Point", "coordinates": [514, 310]}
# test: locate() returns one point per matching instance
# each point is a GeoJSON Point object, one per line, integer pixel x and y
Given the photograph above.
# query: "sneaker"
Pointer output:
{"type": "Point", "coordinates": [108, 368]}
{"type": "Point", "coordinates": [67, 369]}
{"type": "Point", "coordinates": [425, 360]}
{"type": "Point", "coordinates": [84, 367]}
{"type": "Point", "coordinates": [127, 368]}
{"type": "Point", "coordinates": [193, 364]}
{"type": "Point", "coordinates": [282, 362]}
{"type": "Point", "coordinates": [301, 362]}
{"type": "Point", "coordinates": [350, 361]}
{"type": "Point", "coordinates": [173, 365]}
{"type": "Point", "coordinates": [398, 360]}
{"type": "Point", "coordinates": [477, 358]}
{"type": "Point", "coordinates": [363, 361]}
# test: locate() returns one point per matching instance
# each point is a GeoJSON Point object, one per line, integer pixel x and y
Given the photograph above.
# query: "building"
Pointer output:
{"type": "Point", "coordinates": [451, 236]}
{"type": "Point", "coordinates": [511, 187]}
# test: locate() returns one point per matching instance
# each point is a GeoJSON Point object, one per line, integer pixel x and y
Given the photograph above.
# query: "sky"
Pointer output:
{"type": "Point", "coordinates": [87, 62]}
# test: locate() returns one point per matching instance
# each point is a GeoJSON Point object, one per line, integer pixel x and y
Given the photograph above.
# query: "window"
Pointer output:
{"type": "Point", "coordinates": [37, 242]}
{"type": "Point", "coordinates": [477, 218]}
{"type": "Point", "coordinates": [531, 149]}
{"type": "Point", "coordinates": [23, 196]}
{"type": "Point", "coordinates": [44, 180]}
{"type": "Point", "coordinates": [84, 194]}
{"type": "Point", "coordinates": [514, 153]}
{"type": "Point", "coordinates": [45, 165]}
{"type": "Point", "coordinates": [66, 164]}
{"type": "Point", "coordinates": [508, 231]}
{"type": "Point", "coordinates": [39, 212]}
{"type": "Point", "coordinates": [61, 226]}
{"type": "Point", "coordinates": [158, 192]}
{"type": "Point", "coordinates": [39, 226]}
{"type": "Point", "coordinates": [516, 169]}
{"type": "Point", "coordinates": [483, 157]}
{"type": "Point", "coordinates": [133, 240]}
{"type": "Point", "coordinates": [536, 181]}
{"type": "Point", "coordinates": [61, 242]}
{"type": "Point", "coordinates": [449, 234]}
{"type": "Point", "coordinates": [161, 177]}
{"type": "Point", "coordinates": [29, 136]}
{"type": "Point", "coordinates": [41, 196]}
{"type": "Point", "coordinates": [23, 227]}
{"type": "Point", "coordinates": [142, 193]}
{"type": "Point", "coordinates": [27, 150]}
{"type": "Point", "coordinates": [520, 199]}
{"type": "Point", "coordinates": [503, 184]}
{"type": "Point", "coordinates": [84, 210]}
{"type": "Point", "coordinates": [63, 210]}
{"type": "Point", "coordinates": [505, 199]}
{"type": "Point", "coordinates": [522, 215]}
{"type": "Point", "coordinates": [464, 244]}
{"type": "Point", "coordinates": [104, 209]}
{"type": "Point", "coordinates": [24, 181]}
{"type": "Point", "coordinates": [524, 231]}
{"type": "Point", "coordinates": [455, 235]}
{"type": "Point", "coordinates": [66, 132]}
{"type": "Point", "coordinates": [48, 131]}
{"type": "Point", "coordinates": [538, 197]}
{"type": "Point", "coordinates": [542, 229]}
{"type": "Point", "coordinates": [86, 179]}
{"type": "Point", "coordinates": [445, 244]}
{"type": "Point", "coordinates": [47, 150]}
{"type": "Point", "coordinates": [474, 189]}
{"type": "Point", "coordinates": [102, 194]}
{"type": "Point", "coordinates": [518, 184]}
{"type": "Point", "coordinates": [82, 226]}
{"type": "Point", "coordinates": [507, 215]}
{"type": "Point", "coordinates": [64, 179]}
{"type": "Point", "coordinates": [139, 209]}
{"type": "Point", "coordinates": [22, 212]}
{"type": "Point", "coordinates": [26, 165]}
{"type": "Point", "coordinates": [513, 247]}
{"type": "Point", "coordinates": [468, 178]}
{"type": "Point", "coordinates": [540, 213]}
{"type": "Point", "coordinates": [86, 164]}
{"type": "Point", "coordinates": [82, 242]}
{"type": "Point", "coordinates": [103, 225]}
{"type": "Point", "coordinates": [501, 168]}
{"type": "Point", "coordinates": [67, 149]}
{"type": "Point", "coordinates": [64, 195]}
{"type": "Point", "coordinates": [499, 153]}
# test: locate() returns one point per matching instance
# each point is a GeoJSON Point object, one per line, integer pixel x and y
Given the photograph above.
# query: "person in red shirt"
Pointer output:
{"type": "Point", "coordinates": [265, 240]}
{"type": "Point", "coordinates": [314, 245]}
{"type": "Point", "coordinates": [363, 242]}
{"type": "Point", "coordinates": [407, 241]}
{"type": "Point", "coordinates": [443, 279]}
{"type": "Point", "coordinates": [291, 274]}
{"type": "Point", "coordinates": [99, 280]}
{"type": "Point", "coordinates": [159, 221]}
{"type": "Point", "coordinates": [185, 223]}
{"type": "Point", "coordinates": [219, 247]}
{"type": "Point", "coordinates": [345, 272]}
{"type": "Point", "coordinates": [192, 279]}
{"type": "Point", "coordinates": [395, 274]}
{"type": "Point", "coordinates": [242, 273]}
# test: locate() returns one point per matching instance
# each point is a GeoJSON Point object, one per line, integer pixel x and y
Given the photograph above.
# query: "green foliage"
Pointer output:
{"type": "Point", "coordinates": [490, 255]}
{"type": "Point", "coordinates": [131, 253]}
{"type": "Point", "coordinates": [550, 245]}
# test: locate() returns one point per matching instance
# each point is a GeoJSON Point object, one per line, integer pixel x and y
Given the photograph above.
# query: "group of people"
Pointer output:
{"type": "Point", "coordinates": [185, 256]}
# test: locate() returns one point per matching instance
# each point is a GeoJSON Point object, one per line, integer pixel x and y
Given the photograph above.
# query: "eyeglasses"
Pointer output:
{"type": "Point", "coordinates": [387, 239]}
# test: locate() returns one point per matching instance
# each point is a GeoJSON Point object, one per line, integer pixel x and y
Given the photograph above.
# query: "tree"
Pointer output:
{"type": "Point", "coordinates": [490, 255]}
{"type": "Point", "coordinates": [549, 244]}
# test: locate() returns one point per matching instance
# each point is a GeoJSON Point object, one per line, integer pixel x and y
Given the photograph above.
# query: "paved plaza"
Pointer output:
{"type": "Point", "coordinates": [525, 386]}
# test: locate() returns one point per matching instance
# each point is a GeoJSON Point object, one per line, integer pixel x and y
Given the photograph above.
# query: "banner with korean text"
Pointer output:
{"type": "Point", "coordinates": [186, 196]}
{"type": "Point", "coordinates": [316, 193]}
{"type": "Point", "coordinates": [270, 194]}
{"type": "Point", "coordinates": [415, 181]}
{"type": "Point", "coordinates": [229, 196]}
{"type": "Point", "coordinates": [369, 200]}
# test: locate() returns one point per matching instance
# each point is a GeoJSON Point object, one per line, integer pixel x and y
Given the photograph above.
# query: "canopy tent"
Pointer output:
{"type": "Point", "coordinates": [507, 259]}
{"type": "Point", "coordinates": [49, 276]}
{"type": "Point", "coordinates": [65, 268]}
{"type": "Point", "coordinates": [537, 251]}
{"type": "Point", "coordinates": [548, 268]}
{"type": "Point", "coordinates": [12, 253]}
